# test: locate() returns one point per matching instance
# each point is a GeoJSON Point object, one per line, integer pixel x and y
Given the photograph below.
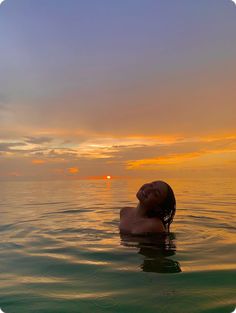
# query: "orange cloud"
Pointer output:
{"type": "Point", "coordinates": [167, 160]}
{"type": "Point", "coordinates": [38, 161]}
{"type": "Point", "coordinates": [207, 157]}
{"type": "Point", "coordinates": [73, 170]}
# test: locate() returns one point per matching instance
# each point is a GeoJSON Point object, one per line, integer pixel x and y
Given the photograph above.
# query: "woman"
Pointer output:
{"type": "Point", "coordinates": [154, 212]}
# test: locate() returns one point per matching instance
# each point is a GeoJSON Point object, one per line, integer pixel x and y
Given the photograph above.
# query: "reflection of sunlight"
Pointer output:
{"type": "Point", "coordinates": [108, 185]}
{"type": "Point", "coordinates": [79, 295]}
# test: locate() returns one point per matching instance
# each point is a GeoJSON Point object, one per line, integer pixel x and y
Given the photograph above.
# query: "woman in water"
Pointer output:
{"type": "Point", "coordinates": [154, 212]}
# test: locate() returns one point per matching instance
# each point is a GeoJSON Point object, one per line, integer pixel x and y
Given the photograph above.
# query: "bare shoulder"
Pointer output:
{"type": "Point", "coordinates": [156, 225]}
{"type": "Point", "coordinates": [125, 211]}
{"type": "Point", "coordinates": [149, 226]}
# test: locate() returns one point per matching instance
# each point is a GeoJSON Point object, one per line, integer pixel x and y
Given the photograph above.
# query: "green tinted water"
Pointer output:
{"type": "Point", "coordinates": [61, 250]}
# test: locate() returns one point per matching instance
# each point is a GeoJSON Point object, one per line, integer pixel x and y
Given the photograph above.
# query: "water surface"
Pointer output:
{"type": "Point", "coordinates": [61, 250]}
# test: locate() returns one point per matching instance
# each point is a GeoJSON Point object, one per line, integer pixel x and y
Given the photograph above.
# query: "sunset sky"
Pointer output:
{"type": "Point", "coordinates": [127, 88]}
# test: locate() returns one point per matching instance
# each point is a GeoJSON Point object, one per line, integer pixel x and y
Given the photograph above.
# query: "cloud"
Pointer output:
{"type": "Point", "coordinates": [1, 1]}
{"type": "Point", "coordinates": [38, 161]}
{"type": "Point", "coordinates": [38, 140]}
{"type": "Point", "coordinates": [73, 170]}
{"type": "Point", "coordinates": [234, 1]}
{"type": "Point", "coordinates": [10, 146]}
{"type": "Point", "coordinates": [49, 156]}
{"type": "Point", "coordinates": [151, 164]}
{"type": "Point", "coordinates": [204, 152]}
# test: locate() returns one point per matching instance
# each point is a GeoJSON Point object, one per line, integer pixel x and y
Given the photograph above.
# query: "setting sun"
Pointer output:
{"type": "Point", "coordinates": [108, 177]}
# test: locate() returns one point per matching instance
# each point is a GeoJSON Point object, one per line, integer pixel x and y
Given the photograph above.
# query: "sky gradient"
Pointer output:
{"type": "Point", "coordinates": [124, 88]}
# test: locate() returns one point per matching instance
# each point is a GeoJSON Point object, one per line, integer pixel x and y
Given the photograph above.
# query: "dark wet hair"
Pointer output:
{"type": "Point", "coordinates": [166, 210]}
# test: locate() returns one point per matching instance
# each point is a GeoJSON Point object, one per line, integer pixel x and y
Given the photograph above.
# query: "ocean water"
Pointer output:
{"type": "Point", "coordinates": [61, 251]}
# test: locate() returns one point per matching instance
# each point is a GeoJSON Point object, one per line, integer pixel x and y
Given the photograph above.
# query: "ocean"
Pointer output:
{"type": "Point", "coordinates": [61, 251]}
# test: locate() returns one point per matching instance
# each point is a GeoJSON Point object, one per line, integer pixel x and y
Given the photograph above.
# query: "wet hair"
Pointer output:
{"type": "Point", "coordinates": [166, 210]}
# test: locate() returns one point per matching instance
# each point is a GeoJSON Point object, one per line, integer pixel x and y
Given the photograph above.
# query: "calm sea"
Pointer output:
{"type": "Point", "coordinates": [61, 250]}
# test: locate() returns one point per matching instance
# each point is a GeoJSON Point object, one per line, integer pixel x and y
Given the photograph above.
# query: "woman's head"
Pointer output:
{"type": "Point", "coordinates": [159, 201]}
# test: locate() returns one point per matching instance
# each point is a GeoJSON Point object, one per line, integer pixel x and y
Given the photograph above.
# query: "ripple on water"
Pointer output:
{"type": "Point", "coordinates": [62, 253]}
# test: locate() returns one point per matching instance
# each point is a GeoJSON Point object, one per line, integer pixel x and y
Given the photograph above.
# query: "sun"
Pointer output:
{"type": "Point", "coordinates": [108, 177]}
